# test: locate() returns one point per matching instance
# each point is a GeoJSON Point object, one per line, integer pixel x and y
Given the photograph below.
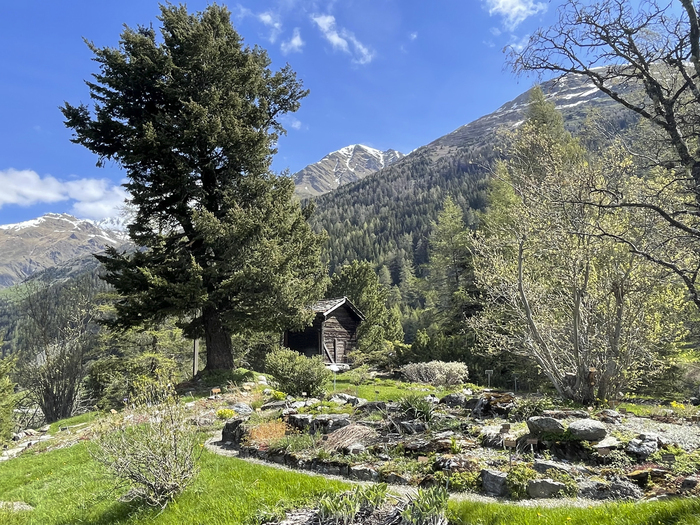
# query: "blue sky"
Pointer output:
{"type": "Point", "coordinates": [385, 73]}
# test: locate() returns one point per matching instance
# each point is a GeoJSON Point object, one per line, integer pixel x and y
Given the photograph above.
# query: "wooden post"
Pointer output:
{"type": "Point", "coordinates": [195, 358]}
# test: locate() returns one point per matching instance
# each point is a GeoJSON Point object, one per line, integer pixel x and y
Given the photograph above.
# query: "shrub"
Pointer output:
{"type": "Point", "coordinates": [530, 406]}
{"type": "Point", "coordinates": [296, 373]}
{"type": "Point", "coordinates": [293, 443]}
{"type": "Point", "coordinates": [7, 401]}
{"type": "Point", "coordinates": [427, 507]}
{"type": "Point", "coordinates": [150, 446]}
{"type": "Point", "coordinates": [517, 479]}
{"type": "Point", "coordinates": [458, 481]}
{"type": "Point", "coordinates": [225, 413]}
{"type": "Point", "coordinates": [567, 479]}
{"type": "Point", "coordinates": [416, 406]}
{"type": "Point", "coordinates": [436, 373]}
{"type": "Point", "coordinates": [334, 510]}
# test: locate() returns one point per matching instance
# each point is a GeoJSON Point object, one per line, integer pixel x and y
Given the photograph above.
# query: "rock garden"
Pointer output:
{"type": "Point", "coordinates": [480, 441]}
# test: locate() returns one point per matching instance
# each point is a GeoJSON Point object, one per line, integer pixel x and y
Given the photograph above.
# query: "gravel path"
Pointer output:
{"type": "Point", "coordinates": [685, 435]}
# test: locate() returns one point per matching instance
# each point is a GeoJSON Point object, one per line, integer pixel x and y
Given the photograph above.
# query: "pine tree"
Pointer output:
{"type": "Point", "coordinates": [193, 119]}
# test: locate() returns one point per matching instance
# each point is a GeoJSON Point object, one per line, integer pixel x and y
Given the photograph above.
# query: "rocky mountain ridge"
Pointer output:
{"type": "Point", "coordinates": [346, 165]}
{"type": "Point", "coordinates": [50, 240]}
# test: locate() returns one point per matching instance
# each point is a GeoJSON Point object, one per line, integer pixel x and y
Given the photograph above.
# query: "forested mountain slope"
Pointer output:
{"type": "Point", "coordinates": [386, 217]}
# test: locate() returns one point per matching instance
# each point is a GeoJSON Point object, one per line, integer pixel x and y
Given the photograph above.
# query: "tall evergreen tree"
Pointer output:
{"type": "Point", "coordinates": [193, 119]}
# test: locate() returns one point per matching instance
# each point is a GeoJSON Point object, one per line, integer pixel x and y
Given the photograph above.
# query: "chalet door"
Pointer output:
{"type": "Point", "coordinates": [338, 351]}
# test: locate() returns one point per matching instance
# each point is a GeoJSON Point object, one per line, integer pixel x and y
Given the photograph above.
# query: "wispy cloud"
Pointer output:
{"type": "Point", "coordinates": [294, 44]}
{"type": "Point", "coordinates": [342, 39]}
{"type": "Point", "coordinates": [413, 36]}
{"type": "Point", "coordinates": [93, 198]}
{"type": "Point", "coordinates": [514, 12]}
{"type": "Point", "coordinates": [272, 21]}
{"type": "Point", "coordinates": [291, 122]}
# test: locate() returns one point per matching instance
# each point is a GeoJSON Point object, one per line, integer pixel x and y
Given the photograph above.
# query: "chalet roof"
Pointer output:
{"type": "Point", "coordinates": [326, 306]}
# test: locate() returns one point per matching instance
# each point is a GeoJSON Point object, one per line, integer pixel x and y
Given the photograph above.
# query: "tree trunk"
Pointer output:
{"type": "Point", "coordinates": [218, 339]}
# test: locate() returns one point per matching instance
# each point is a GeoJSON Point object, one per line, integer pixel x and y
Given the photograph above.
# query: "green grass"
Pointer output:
{"type": "Point", "coordinates": [389, 390]}
{"type": "Point", "coordinates": [672, 512]}
{"type": "Point", "coordinates": [88, 417]}
{"type": "Point", "coordinates": [67, 486]}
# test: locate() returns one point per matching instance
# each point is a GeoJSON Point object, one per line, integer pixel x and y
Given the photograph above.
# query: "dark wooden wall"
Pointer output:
{"type": "Point", "coordinates": [340, 334]}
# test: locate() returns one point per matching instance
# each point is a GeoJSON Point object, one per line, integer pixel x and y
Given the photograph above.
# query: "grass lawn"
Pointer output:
{"type": "Point", "coordinates": [673, 512]}
{"type": "Point", "coordinates": [389, 389]}
{"type": "Point", "coordinates": [67, 486]}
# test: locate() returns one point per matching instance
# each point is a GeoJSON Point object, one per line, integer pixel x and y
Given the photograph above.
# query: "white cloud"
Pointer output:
{"type": "Point", "coordinates": [413, 36]}
{"type": "Point", "coordinates": [294, 44]}
{"type": "Point", "coordinates": [339, 39]}
{"type": "Point", "coordinates": [93, 198]}
{"type": "Point", "coordinates": [272, 21]}
{"type": "Point", "coordinates": [518, 44]}
{"type": "Point", "coordinates": [514, 11]}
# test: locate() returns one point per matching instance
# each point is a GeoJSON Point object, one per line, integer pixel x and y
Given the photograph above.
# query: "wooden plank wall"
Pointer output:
{"type": "Point", "coordinates": [341, 325]}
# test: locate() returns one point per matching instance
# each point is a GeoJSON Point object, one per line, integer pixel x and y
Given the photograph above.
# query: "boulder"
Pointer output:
{"type": "Point", "coordinates": [544, 488]}
{"type": "Point", "coordinates": [373, 406]}
{"type": "Point", "coordinates": [454, 400]}
{"type": "Point", "coordinates": [610, 442]}
{"type": "Point", "coordinates": [493, 482]}
{"type": "Point", "coordinates": [539, 425]}
{"type": "Point", "coordinates": [587, 430]}
{"type": "Point", "coordinates": [613, 490]}
{"type": "Point", "coordinates": [542, 466]}
{"type": "Point", "coordinates": [275, 405]}
{"type": "Point", "coordinates": [327, 423]}
{"type": "Point", "coordinates": [642, 447]}
{"type": "Point", "coordinates": [564, 414]}
{"type": "Point", "coordinates": [689, 483]}
{"type": "Point", "coordinates": [455, 464]}
{"type": "Point", "coordinates": [234, 430]}
{"type": "Point", "coordinates": [242, 409]}
{"type": "Point", "coordinates": [396, 479]}
{"type": "Point", "coordinates": [364, 473]}
{"type": "Point", "coordinates": [300, 421]}
{"type": "Point", "coordinates": [610, 416]}
{"type": "Point", "coordinates": [414, 427]}
{"type": "Point", "coordinates": [494, 404]}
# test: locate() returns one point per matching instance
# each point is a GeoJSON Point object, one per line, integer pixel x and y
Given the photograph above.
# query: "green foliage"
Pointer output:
{"type": "Point", "coordinates": [567, 479]}
{"type": "Point", "coordinates": [224, 236]}
{"type": "Point", "coordinates": [151, 447]}
{"type": "Point", "coordinates": [527, 407]}
{"type": "Point", "coordinates": [334, 510]}
{"type": "Point", "coordinates": [7, 400]}
{"type": "Point", "coordinates": [112, 381]}
{"type": "Point", "coordinates": [517, 479]}
{"type": "Point", "coordinates": [293, 443]}
{"type": "Point", "coordinates": [427, 507]}
{"type": "Point", "coordinates": [459, 481]}
{"type": "Point", "coordinates": [416, 406]}
{"type": "Point", "coordinates": [296, 373]}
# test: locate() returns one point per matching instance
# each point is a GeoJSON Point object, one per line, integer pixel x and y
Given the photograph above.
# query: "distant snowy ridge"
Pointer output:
{"type": "Point", "coordinates": [341, 167]}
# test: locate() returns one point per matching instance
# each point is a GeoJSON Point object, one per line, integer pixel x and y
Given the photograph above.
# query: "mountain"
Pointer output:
{"type": "Point", "coordinates": [349, 164]}
{"type": "Point", "coordinates": [387, 217]}
{"type": "Point", "coordinates": [51, 240]}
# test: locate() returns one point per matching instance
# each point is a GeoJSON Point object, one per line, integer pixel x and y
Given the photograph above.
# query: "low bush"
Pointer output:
{"type": "Point", "coordinates": [517, 479]}
{"type": "Point", "coordinates": [296, 373]}
{"type": "Point", "coordinates": [150, 446]}
{"type": "Point", "coordinates": [7, 401]}
{"type": "Point", "coordinates": [416, 406]}
{"type": "Point", "coordinates": [267, 432]}
{"type": "Point", "coordinates": [436, 373]}
{"type": "Point", "coordinates": [427, 507]}
{"type": "Point", "coordinates": [225, 413]}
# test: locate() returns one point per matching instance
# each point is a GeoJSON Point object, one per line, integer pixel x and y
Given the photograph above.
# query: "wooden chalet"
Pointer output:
{"type": "Point", "coordinates": [333, 333]}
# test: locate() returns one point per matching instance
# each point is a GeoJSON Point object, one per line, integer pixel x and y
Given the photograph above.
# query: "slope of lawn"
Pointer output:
{"type": "Point", "coordinates": [67, 486]}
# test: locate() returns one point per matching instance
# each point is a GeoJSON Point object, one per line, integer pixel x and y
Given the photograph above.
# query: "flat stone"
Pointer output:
{"type": "Point", "coordinates": [414, 427]}
{"type": "Point", "coordinates": [373, 406]}
{"type": "Point", "coordinates": [493, 482]}
{"type": "Point", "coordinates": [587, 430]}
{"type": "Point", "coordinates": [544, 488]}
{"type": "Point", "coordinates": [609, 442]}
{"type": "Point", "coordinates": [15, 506]}
{"type": "Point", "coordinates": [274, 405]}
{"type": "Point", "coordinates": [300, 421]}
{"type": "Point", "coordinates": [539, 425]}
{"type": "Point", "coordinates": [542, 466]}
{"type": "Point", "coordinates": [642, 447]}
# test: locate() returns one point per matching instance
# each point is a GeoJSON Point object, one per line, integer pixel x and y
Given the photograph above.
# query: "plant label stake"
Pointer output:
{"type": "Point", "coordinates": [668, 458]}
{"type": "Point", "coordinates": [603, 452]}
{"type": "Point", "coordinates": [510, 444]}
{"type": "Point", "coordinates": [489, 373]}
{"type": "Point", "coordinates": [532, 442]}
